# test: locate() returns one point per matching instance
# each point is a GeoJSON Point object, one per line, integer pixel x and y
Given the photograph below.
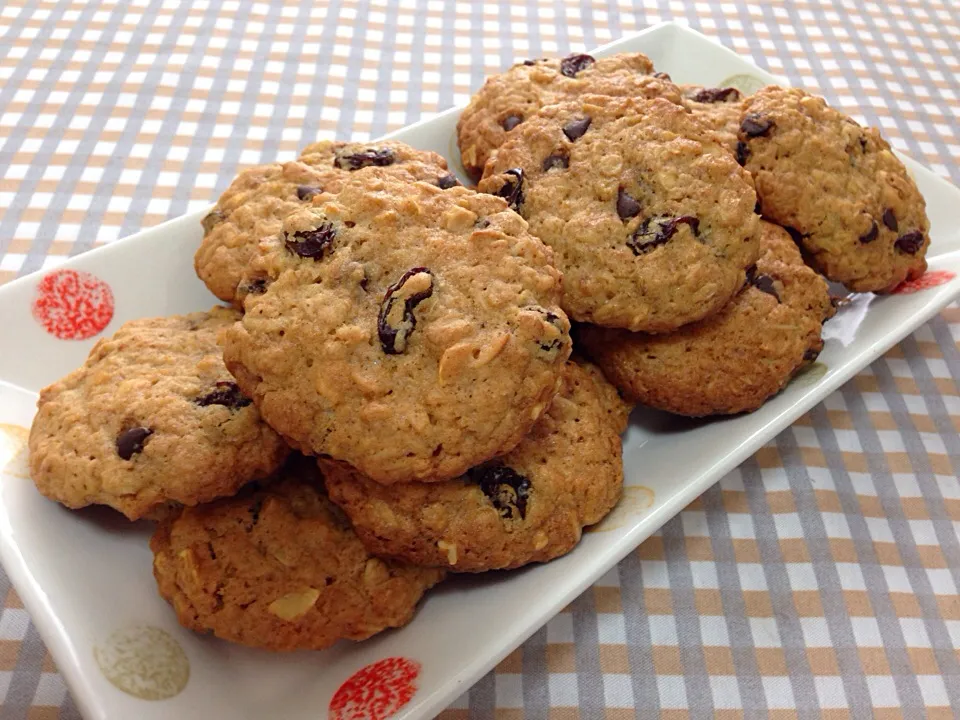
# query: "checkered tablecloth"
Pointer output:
{"type": "Point", "coordinates": [817, 580]}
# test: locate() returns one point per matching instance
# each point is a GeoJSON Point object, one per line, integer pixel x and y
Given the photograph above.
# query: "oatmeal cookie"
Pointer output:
{"type": "Point", "coordinates": [527, 506]}
{"type": "Point", "coordinates": [153, 417]}
{"type": "Point", "coordinates": [279, 567]}
{"type": "Point", "coordinates": [731, 362]}
{"type": "Point", "coordinates": [651, 221]}
{"type": "Point", "coordinates": [846, 198]}
{"type": "Point", "coordinates": [514, 96]}
{"type": "Point", "coordinates": [411, 331]}
{"type": "Point", "coordinates": [248, 216]}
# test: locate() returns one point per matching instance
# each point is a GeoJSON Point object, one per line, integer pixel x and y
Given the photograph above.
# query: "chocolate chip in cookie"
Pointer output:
{"type": "Point", "coordinates": [131, 441]}
{"type": "Point", "coordinates": [558, 160]}
{"type": "Point", "coordinates": [575, 129]}
{"type": "Point", "coordinates": [627, 205]}
{"type": "Point", "coordinates": [510, 122]}
{"type": "Point", "coordinates": [306, 192]}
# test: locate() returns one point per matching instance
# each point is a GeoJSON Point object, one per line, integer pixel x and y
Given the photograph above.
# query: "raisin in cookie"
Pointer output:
{"type": "Point", "coordinates": [411, 331]}
{"type": "Point", "coordinates": [527, 506]}
{"type": "Point", "coordinates": [849, 202]}
{"type": "Point", "coordinates": [731, 362]}
{"type": "Point", "coordinates": [251, 211]}
{"type": "Point", "coordinates": [279, 567]}
{"type": "Point", "coordinates": [513, 97]}
{"type": "Point", "coordinates": [719, 110]}
{"type": "Point", "coordinates": [651, 221]}
{"type": "Point", "coordinates": [153, 417]}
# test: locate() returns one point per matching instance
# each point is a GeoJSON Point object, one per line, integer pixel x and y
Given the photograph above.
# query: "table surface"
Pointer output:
{"type": "Point", "coordinates": [819, 579]}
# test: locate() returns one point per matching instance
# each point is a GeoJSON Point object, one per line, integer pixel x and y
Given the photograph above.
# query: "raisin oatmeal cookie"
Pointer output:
{"type": "Point", "coordinates": [512, 97]}
{"type": "Point", "coordinates": [527, 506]}
{"type": "Point", "coordinates": [846, 198]}
{"type": "Point", "coordinates": [279, 567]}
{"type": "Point", "coordinates": [731, 362]}
{"type": "Point", "coordinates": [250, 213]}
{"type": "Point", "coordinates": [651, 221]}
{"type": "Point", "coordinates": [411, 331]}
{"type": "Point", "coordinates": [153, 417]}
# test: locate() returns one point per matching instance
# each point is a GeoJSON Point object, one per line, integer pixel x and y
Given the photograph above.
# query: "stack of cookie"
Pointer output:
{"type": "Point", "coordinates": [403, 331]}
{"type": "Point", "coordinates": [692, 224]}
{"type": "Point", "coordinates": [390, 395]}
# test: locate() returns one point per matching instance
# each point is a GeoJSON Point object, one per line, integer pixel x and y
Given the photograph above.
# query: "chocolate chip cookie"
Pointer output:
{"type": "Point", "coordinates": [731, 362]}
{"type": "Point", "coordinates": [411, 331]}
{"type": "Point", "coordinates": [250, 213]}
{"type": "Point", "coordinates": [718, 109]}
{"type": "Point", "coordinates": [847, 199]}
{"type": "Point", "coordinates": [527, 506]}
{"type": "Point", "coordinates": [279, 567]}
{"type": "Point", "coordinates": [153, 417]}
{"type": "Point", "coordinates": [652, 222]}
{"type": "Point", "coordinates": [513, 97]}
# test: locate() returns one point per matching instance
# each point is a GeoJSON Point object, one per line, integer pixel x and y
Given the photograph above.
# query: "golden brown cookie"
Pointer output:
{"type": "Point", "coordinates": [250, 213]}
{"type": "Point", "coordinates": [847, 199]}
{"type": "Point", "coordinates": [152, 417]}
{"type": "Point", "coordinates": [279, 567]}
{"type": "Point", "coordinates": [411, 331]}
{"type": "Point", "coordinates": [527, 506]}
{"type": "Point", "coordinates": [651, 221]}
{"type": "Point", "coordinates": [507, 100]}
{"type": "Point", "coordinates": [718, 109]}
{"type": "Point", "coordinates": [731, 362]}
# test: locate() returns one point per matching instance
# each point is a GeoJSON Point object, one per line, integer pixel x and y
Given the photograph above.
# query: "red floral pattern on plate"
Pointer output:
{"type": "Point", "coordinates": [73, 305]}
{"type": "Point", "coordinates": [377, 691]}
{"type": "Point", "coordinates": [929, 279]}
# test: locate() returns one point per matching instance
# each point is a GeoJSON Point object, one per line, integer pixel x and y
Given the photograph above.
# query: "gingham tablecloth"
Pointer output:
{"type": "Point", "coordinates": [817, 580]}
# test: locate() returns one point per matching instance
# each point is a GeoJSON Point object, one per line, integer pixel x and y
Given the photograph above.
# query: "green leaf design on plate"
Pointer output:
{"type": "Point", "coordinates": [747, 84]}
{"type": "Point", "coordinates": [810, 375]}
{"type": "Point", "coordinates": [145, 662]}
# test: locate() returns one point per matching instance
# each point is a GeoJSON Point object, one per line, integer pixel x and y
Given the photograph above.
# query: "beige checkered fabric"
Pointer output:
{"type": "Point", "coordinates": [817, 580]}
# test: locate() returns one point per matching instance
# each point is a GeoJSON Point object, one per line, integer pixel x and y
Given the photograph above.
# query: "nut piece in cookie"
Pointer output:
{"type": "Point", "coordinates": [509, 99]}
{"type": "Point", "coordinates": [733, 361]}
{"type": "Point", "coordinates": [422, 337]}
{"type": "Point", "coordinates": [846, 198]}
{"type": "Point", "coordinates": [651, 220]}
{"type": "Point", "coordinates": [529, 505]}
{"type": "Point", "coordinates": [152, 418]}
{"type": "Point", "coordinates": [279, 567]}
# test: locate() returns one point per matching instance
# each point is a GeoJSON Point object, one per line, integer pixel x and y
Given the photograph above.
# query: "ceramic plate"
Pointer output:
{"type": "Point", "coordinates": [86, 577]}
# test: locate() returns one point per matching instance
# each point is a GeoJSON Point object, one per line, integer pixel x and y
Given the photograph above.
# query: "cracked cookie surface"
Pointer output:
{"type": "Point", "coordinates": [651, 221]}
{"type": "Point", "coordinates": [411, 331]}
{"type": "Point", "coordinates": [279, 567]}
{"type": "Point", "coordinates": [527, 506]}
{"type": "Point", "coordinates": [153, 417]}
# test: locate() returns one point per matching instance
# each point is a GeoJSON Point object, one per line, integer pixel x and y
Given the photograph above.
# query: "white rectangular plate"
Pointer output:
{"type": "Point", "coordinates": [83, 576]}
